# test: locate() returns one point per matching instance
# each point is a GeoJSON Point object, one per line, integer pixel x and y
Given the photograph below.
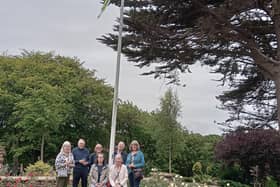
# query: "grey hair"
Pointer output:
{"type": "Point", "coordinates": [63, 145]}
{"type": "Point", "coordinates": [134, 142]}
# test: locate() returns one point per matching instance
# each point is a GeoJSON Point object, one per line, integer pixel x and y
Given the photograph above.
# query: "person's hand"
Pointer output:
{"type": "Point", "coordinates": [67, 163]}
{"type": "Point", "coordinates": [131, 166]}
{"type": "Point", "coordinates": [85, 163]}
{"type": "Point", "coordinates": [82, 161]}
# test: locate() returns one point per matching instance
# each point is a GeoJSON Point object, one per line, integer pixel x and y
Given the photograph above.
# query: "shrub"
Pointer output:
{"type": "Point", "coordinates": [226, 183]}
{"type": "Point", "coordinates": [270, 182]}
{"type": "Point", "coordinates": [39, 168]}
{"type": "Point", "coordinates": [197, 168]}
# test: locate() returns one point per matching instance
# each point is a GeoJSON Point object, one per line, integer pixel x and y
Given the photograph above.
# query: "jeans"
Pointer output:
{"type": "Point", "coordinates": [80, 173]}
{"type": "Point", "coordinates": [133, 182]}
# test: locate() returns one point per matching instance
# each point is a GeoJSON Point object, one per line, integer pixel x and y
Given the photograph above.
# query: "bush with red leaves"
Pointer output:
{"type": "Point", "coordinates": [250, 148]}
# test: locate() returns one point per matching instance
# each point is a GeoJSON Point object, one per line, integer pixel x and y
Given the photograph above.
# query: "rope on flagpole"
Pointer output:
{"type": "Point", "coordinates": [116, 89]}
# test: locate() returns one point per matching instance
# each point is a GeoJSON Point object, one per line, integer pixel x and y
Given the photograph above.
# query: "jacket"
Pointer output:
{"type": "Point", "coordinates": [120, 176]}
{"type": "Point", "coordinates": [137, 160]}
{"type": "Point", "coordinates": [94, 175]}
{"type": "Point", "coordinates": [61, 169]}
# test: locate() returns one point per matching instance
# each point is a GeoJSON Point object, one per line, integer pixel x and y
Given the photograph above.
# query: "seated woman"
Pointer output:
{"type": "Point", "coordinates": [118, 174]}
{"type": "Point", "coordinates": [99, 172]}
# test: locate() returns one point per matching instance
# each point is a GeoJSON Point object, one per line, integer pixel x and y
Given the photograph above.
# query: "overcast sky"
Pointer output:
{"type": "Point", "coordinates": [70, 27]}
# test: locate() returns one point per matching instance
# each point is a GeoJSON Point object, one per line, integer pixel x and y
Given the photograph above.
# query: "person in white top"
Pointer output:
{"type": "Point", "coordinates": [118, 174]}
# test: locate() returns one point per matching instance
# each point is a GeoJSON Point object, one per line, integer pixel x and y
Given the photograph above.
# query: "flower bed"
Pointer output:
{"type": "Point", "coordinates": [27, 181]}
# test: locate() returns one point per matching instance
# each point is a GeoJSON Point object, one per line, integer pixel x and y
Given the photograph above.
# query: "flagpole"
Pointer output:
{"type": "Point", "coordinates": [116, 89]}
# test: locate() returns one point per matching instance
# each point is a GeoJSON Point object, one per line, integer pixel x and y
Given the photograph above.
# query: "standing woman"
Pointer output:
{"type": "Point", "coordinates": [64, 162]}
{"type": "Point", "coordinates": [99, 172]}
{"type": "Point", "coordinates": [135, 163]}
{"type": "Point", "coordinates": [118, 173]}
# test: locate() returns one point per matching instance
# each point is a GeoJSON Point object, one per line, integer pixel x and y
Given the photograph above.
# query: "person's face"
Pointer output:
{"type": "Point", "coordinates": [81, 144]}
{"type": "Point", "coordinates": [66, 148]}
{"type": "Point", "coordinates": [134, 147]}
{"type": "Point", "coordinates": [121, 146]}
{"type": "Point", "coordinates": [118, 161]}
{"type": "Point", "coordinates": [100, 159]}
{"type": "Point", "coordinates": [98, 148]}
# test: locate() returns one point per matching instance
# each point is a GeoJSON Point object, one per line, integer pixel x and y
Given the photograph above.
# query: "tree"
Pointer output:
{"type": "Point", "coordinates": [136, 124]}
{"type": "Point", "coordinates": [240, 40]}
{"type": "Point", "coordinates": [168, 132]}
{"type": "Point", "coordinates": [197, 148]}
{"type": "Point", "coordinates": [46, 99]}
{"type": "Point", "coordinates": [251, 148]}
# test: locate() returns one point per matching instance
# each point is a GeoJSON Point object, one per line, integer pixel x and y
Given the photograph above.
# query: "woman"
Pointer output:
{"type": "Point", "coordinates": [99, 172]}
{"type": "Point", "coordinates": [64, 162]}
{"type": "Point", "coordinates": [135, 163]}
{"type": "Point", "coordinates": [118, 173]}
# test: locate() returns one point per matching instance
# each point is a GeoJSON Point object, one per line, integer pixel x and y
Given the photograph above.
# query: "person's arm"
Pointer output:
{"type": "Point", "coordinates": [142, 160]}
{"type": "Point", "coordinates": [128, 159]}
{"type": "Point", "coordinates": [76, 161]}
{"type": "Point", "coordinates": [72, 162]}
{"type": "Point", "coordinates": [59, 162]}
{"type": "Point", "coordinates": [124, 180]}
{"type": "Point", "coordinates": [112, 182]}
{"type": "Point", "coordinates": [105, 180]}
{"type": "Point", "coordinates": [124, 158]}
{"type": "Point", "coordinates": [93, 181]}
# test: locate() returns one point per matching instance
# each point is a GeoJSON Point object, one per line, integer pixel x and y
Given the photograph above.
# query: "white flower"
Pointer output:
{"type": "Point", "coordinates": [228, 184]}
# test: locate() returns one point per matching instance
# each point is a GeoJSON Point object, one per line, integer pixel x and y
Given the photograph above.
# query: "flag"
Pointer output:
{"type": "Point", "coordinates": [105, 4]}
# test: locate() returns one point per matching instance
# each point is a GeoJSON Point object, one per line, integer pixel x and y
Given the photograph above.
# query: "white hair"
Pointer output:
{"type": "Point", "coordinates": [63, 145]}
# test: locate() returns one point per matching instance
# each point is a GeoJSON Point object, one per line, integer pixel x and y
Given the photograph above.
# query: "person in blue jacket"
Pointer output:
{"type": "Point", "coordinates": [135, 164]}
{"type": "Point", "coordinates": [81, 159]}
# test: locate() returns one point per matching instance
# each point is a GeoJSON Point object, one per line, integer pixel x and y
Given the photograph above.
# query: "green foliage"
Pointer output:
{"type": "Point", "coordinates": [169, 36]}
{"type": "Point", "coordinates": [50, 96]}
{"type": "Point", "coordinates": [168, 131]}
{"type": "Point", "coordinates": [231, 172]}
{"type": "Point", "coordinates": [197, 168]}
{"type": "Point", "coordinates": [39, 168]}
{"type": "Point", "coordinates": [270, 182]}
{"type": "Point", "coordinates": [226, 183]}
{"type": "Point", "coordinates": [197, 148]}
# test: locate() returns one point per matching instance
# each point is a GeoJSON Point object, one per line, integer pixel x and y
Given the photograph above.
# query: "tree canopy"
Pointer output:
{"type": "Point", "coordinates": [238, 39]}
{"type": "Point", "coordinates": [47, 99]}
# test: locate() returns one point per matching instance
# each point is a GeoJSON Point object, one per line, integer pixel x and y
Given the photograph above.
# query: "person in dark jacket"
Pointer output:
{"type": "Point", "coordinates": [120, 150]}
{"type": "Point", "coordinates": [81, 158]}
{"type": "Point", "coordinates": [93, 156]}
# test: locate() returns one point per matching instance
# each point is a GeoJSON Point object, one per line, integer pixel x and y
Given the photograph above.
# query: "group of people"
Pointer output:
{"type": "Point", "coordinates": [126, 167]}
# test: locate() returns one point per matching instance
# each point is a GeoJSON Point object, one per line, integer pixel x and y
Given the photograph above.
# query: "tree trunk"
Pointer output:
{"type": "Point", "coordinates": [277, 85]}
{"type": "Point", "coordinates": [276, 19]}
{"type": "Point", "coordinates": [42, 148]}
{"type": "Point", "coordinates": [170, 157]}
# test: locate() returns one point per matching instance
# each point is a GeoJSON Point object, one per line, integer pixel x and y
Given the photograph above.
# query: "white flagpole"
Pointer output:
{"type": "Point", "coordinates": [116, 89]}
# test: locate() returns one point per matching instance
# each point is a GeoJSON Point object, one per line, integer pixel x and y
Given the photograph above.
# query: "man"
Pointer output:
{"type": "Point", "coordinates": [81, 158]}
{"type": "Point", "coordinates": [120, 150]}
{"type": "Point", "coordinates": [98, 149]}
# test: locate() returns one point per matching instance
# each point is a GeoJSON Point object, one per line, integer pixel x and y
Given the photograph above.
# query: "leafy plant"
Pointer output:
{"type": "Point", "coordinates": [197, 168]}
{"type": "Point", "coordinates": [39, 168]}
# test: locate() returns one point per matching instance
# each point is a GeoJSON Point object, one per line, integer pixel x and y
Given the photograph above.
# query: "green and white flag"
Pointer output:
{"type": "Point", "coordinates": [105, 4]}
